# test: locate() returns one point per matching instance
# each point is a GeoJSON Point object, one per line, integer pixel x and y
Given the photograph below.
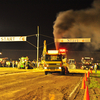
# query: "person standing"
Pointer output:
{"type": "Point", "coordinates": [0, 64]}
{"type": "Point", "coordinates": [16, 63]}
{"type": "Point", "coordinates": [95, 68]}
{"type": "Point", "coordinates": [13, 64]}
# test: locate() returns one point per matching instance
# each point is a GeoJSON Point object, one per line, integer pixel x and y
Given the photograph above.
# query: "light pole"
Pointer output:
{"type": "Point", "coordinates": [37, 45]}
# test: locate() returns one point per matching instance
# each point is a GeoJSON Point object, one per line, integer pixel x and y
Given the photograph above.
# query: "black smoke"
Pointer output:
{"type": "Point", "coordinates": [80, 24]}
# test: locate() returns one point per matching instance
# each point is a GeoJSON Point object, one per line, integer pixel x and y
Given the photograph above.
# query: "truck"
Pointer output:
{"type": "Point", "coordinates": [24, 63]}
{"type": "Point", "coordinates": [87, 62]}
{"type": "Point", "coordinates": [72, 63]}
{"type": "Point", "coordinates": [54, 61]}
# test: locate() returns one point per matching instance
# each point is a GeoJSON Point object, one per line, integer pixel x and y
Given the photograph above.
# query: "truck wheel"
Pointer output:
{"type": "Point", "coordinates": [63, 71]}
{"type": "Point", "coordinates": [46, 73]}
{"type": "Point", "coordinates": [66, 70]}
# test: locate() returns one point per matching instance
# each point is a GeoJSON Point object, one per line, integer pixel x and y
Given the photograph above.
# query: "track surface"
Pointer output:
{"type": "Point", "coordinates": [37, 86]}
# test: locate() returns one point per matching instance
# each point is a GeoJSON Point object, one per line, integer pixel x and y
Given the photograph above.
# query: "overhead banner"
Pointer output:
{"type": "Point", "coordinates": [73, 40]}
{"type": "Point", "coordinates": [12, 38]}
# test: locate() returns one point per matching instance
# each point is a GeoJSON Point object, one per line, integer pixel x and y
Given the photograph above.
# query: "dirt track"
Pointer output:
{"type": "Point", "coordinates": [37, 86]}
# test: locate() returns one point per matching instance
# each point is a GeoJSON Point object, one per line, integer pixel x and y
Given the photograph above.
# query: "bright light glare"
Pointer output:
{"type": "Point", "coordinates": [62, 50]}
{"type": "Point", "coordinates": [45, 67]}
{"type": "Point", "coordinates": [52, 51]}
{"type": "Point", "coordinates": [0, 53]}
{"type": "Point", "coordinates": [91, 58]}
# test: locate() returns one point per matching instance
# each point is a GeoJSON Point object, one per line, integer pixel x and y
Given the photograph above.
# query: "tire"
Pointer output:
{"type": "Point", "coordinates": [46, 72]}
{"type": "Point", "coordinates": [63, 71]}
{"type": "Point", "coordinates": [66, 72]}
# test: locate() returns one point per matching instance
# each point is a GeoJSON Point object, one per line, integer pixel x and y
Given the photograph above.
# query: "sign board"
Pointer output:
{"type": "Point", "coordinates": [12, 38]}
{"type": "Point", "coordinates": [73, 40]}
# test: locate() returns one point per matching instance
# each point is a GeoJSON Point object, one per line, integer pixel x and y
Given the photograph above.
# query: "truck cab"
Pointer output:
{"type": "Point", "coordinates": [53, 62]}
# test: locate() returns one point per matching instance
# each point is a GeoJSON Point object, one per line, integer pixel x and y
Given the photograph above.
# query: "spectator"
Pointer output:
{"type": "Point", "coordinates": [95, 68]}
{"type": "Point", "coordinates": [0, 64]}
{"type": "Point", "coordinates": [13, 64]}
{"type": "Point", "coordinates": [16, 63]}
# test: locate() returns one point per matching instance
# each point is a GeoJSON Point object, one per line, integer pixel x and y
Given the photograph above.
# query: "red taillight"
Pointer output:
{"type": "Point", "coordinates": [62, 50]}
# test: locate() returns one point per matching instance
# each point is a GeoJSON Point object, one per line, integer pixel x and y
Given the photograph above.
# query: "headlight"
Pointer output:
{"type": "Point", "coordinates": [45, 67]}
{"type": "Point", "coordinates": [59, 67]}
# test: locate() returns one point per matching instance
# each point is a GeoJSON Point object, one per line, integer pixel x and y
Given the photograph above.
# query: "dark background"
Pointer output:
{"type": "Point", "coordinates": [21, 18]}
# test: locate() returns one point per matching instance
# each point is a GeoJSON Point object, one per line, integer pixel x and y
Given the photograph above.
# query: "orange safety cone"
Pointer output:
{"type": "Point", "coordinates": [85, 77]}
{"type": "Point", "coordinates": [88, 74]}
{"type": "Point", "coordinates": [83, 84]}
{"type": "Point", "coordinates": [86, 95]}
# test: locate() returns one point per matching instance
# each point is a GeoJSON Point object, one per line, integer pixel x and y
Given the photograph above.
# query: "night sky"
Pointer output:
{"type": "Point", "coordinates": [21, 18]}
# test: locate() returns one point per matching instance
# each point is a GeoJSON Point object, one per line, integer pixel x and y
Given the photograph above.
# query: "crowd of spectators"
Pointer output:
{"type": "Point", "coordinates": [7, 63]}
{"type": "Point", "coordinates": [14, 63]}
